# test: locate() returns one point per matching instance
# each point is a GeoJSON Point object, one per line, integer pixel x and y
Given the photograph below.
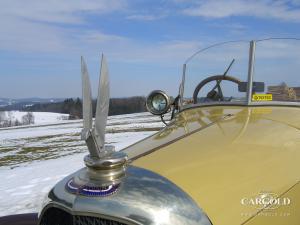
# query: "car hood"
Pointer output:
{"type": "Point", "coordinates": [221, 155]}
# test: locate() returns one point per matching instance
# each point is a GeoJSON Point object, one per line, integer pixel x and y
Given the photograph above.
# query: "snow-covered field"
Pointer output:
{"type": "Point", "coordinates": [40, 118]}
{"type": "Point", "coordinates": [33, 158]}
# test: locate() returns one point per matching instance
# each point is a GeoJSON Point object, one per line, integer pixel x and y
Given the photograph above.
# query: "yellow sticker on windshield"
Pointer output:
{"type": "Point", "coordinates": [262, 97]}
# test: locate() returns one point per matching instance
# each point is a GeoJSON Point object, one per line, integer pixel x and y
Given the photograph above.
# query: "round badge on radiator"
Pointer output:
{"type": "Point", "coordinates": [93, 191]}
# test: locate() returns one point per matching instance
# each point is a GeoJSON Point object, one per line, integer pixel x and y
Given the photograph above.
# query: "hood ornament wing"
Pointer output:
{"type": "Point", "coordinates": [94, 136]}
{"type": "Point", "coordinates": [102, 104]}
{"type": "Point", "coordinates": [86, 95]}
{"type": "Point", "coordinates": [105, 165]}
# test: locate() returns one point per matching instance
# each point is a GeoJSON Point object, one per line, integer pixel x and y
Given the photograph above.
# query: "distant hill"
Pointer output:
{"type": "Point", "coordinates": [7, 104]}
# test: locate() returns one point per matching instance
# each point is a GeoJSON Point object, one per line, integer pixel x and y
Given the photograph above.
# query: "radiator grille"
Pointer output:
{"type": "Point", "coordinates": [88, 220]}
{"type": "Point", "coordinates": [55, 216]}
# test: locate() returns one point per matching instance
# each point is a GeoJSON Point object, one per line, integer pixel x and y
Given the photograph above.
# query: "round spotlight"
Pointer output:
{"type": "Point", "coordinates": [158, 102]}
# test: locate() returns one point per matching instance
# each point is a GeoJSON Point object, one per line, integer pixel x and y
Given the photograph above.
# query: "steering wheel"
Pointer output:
{"type": "Point", "coordinates": [214, 95]}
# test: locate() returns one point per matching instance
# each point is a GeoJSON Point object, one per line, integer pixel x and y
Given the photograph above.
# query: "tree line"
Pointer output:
{"type": "Point", "coordinates": [73, 107]}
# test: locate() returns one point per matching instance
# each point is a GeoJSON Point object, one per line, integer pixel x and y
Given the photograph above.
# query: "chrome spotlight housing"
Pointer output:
{"type": "Point", "coordinates": [158, 102]}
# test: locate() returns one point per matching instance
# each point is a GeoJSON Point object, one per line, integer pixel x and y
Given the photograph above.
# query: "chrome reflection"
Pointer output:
{"type": "Point", "coordinates": [143, 198]}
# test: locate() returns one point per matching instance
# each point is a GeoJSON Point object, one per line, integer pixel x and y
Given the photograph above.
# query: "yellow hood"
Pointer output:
{"type": "Point", "coordinates": [220, 155]}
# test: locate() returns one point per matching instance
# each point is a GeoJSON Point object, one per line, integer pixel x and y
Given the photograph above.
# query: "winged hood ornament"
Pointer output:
{"type": "Point", "coordinates": [94, 134]}
{"type": "Point", "coordinates": [102, 159]}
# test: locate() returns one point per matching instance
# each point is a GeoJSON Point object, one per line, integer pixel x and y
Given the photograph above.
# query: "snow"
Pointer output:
{"type": "Point", "coordinates": [33, 159]}
{"type": "Point", "coordinates": [25, 187]}
{"type": "Point", "coordinates": [40, 117]}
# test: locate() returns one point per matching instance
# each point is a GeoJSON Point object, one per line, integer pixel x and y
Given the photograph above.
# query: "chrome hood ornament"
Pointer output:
{"type": "Point", "coordinates": [105, 166]}
{"type": "Point", "coordinates": [94, 136]}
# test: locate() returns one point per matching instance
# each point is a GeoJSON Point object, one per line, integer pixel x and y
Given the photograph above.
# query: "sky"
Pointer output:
{"type": "Point", "coordinates": [145, 42]}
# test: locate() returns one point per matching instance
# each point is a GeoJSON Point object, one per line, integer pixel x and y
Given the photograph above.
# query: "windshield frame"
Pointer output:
{"type": "Point", "coordinates": [249, 91]}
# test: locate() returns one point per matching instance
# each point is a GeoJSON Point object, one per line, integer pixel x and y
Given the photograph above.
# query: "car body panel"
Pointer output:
{"type": "Point", "coordinates": [228, 153]}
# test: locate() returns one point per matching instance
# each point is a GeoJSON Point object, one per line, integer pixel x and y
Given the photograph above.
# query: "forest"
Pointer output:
{"type": "Point", "coordinates": [73, 107]}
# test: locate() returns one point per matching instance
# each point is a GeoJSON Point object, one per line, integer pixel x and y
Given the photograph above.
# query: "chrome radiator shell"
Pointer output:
{"type": "Point", "coordinates": [144, 197]}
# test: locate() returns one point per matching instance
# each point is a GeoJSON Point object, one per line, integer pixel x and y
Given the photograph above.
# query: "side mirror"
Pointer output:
{"type": "Point", "coordinates": [158, 102]}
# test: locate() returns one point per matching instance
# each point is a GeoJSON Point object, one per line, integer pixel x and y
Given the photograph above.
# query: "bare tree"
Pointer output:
{"type": "Point", "coordinates": [2, 117]}
{"type": "Point", "coordinates": [28, 118]}
{"type": "Point", "coordinates": [9, 118]}
{"type": "Point", "coordinates": [17, 122]}
{"type": "Point", "coordinates": [31, 117]}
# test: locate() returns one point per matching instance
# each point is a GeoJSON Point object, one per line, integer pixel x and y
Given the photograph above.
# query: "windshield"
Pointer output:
{"type": "Point", "coordinates": [220, 73]}
{"type": "Point", "coordinates": [277, 64]}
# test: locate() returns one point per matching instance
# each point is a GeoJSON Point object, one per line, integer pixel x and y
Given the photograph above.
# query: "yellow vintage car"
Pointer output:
{"type": "Point", "coordinates": [228, 155]}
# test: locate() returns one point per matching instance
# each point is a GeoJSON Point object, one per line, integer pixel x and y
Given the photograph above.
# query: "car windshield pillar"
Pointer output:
{"type": "Point", "coordinates": [250, 71]}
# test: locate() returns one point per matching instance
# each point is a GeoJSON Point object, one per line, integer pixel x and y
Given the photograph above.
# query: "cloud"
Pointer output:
{"type": "Point", "coordinates": [23, 36]}
{"type": "Point", "coordinates": [295, 2]}
{"type": "Point", "coordinates": [172, 52]}
{"type": "Point", "coordinates": [231, 28]}
{"type": "Point", "coordinates": [145, 17]}
{"type": "Point", "coordinates": [281, 10]}
{"type": "Point", "coordinates": [52, 26]}
{"type": "Point", "coordinates": [93, 36]}
{"type": "Point", "coordinates": [58, 11]}
{"type": "Point", "coordinates": [122, 49]}
{"type": "Point", "coordinates": [60, 27]}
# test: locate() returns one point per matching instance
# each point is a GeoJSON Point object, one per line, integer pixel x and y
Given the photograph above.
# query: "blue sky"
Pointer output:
{"type": "Point", "coordinates": [145, 42]}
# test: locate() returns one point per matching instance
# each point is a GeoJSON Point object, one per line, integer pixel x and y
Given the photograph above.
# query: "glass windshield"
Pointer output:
{"type": "Point", "coordinates": [219, 74]}
{"type": "Point", "coordinates": [213, 74]}
{"type": "Point", "coordinates": [277, 65]}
